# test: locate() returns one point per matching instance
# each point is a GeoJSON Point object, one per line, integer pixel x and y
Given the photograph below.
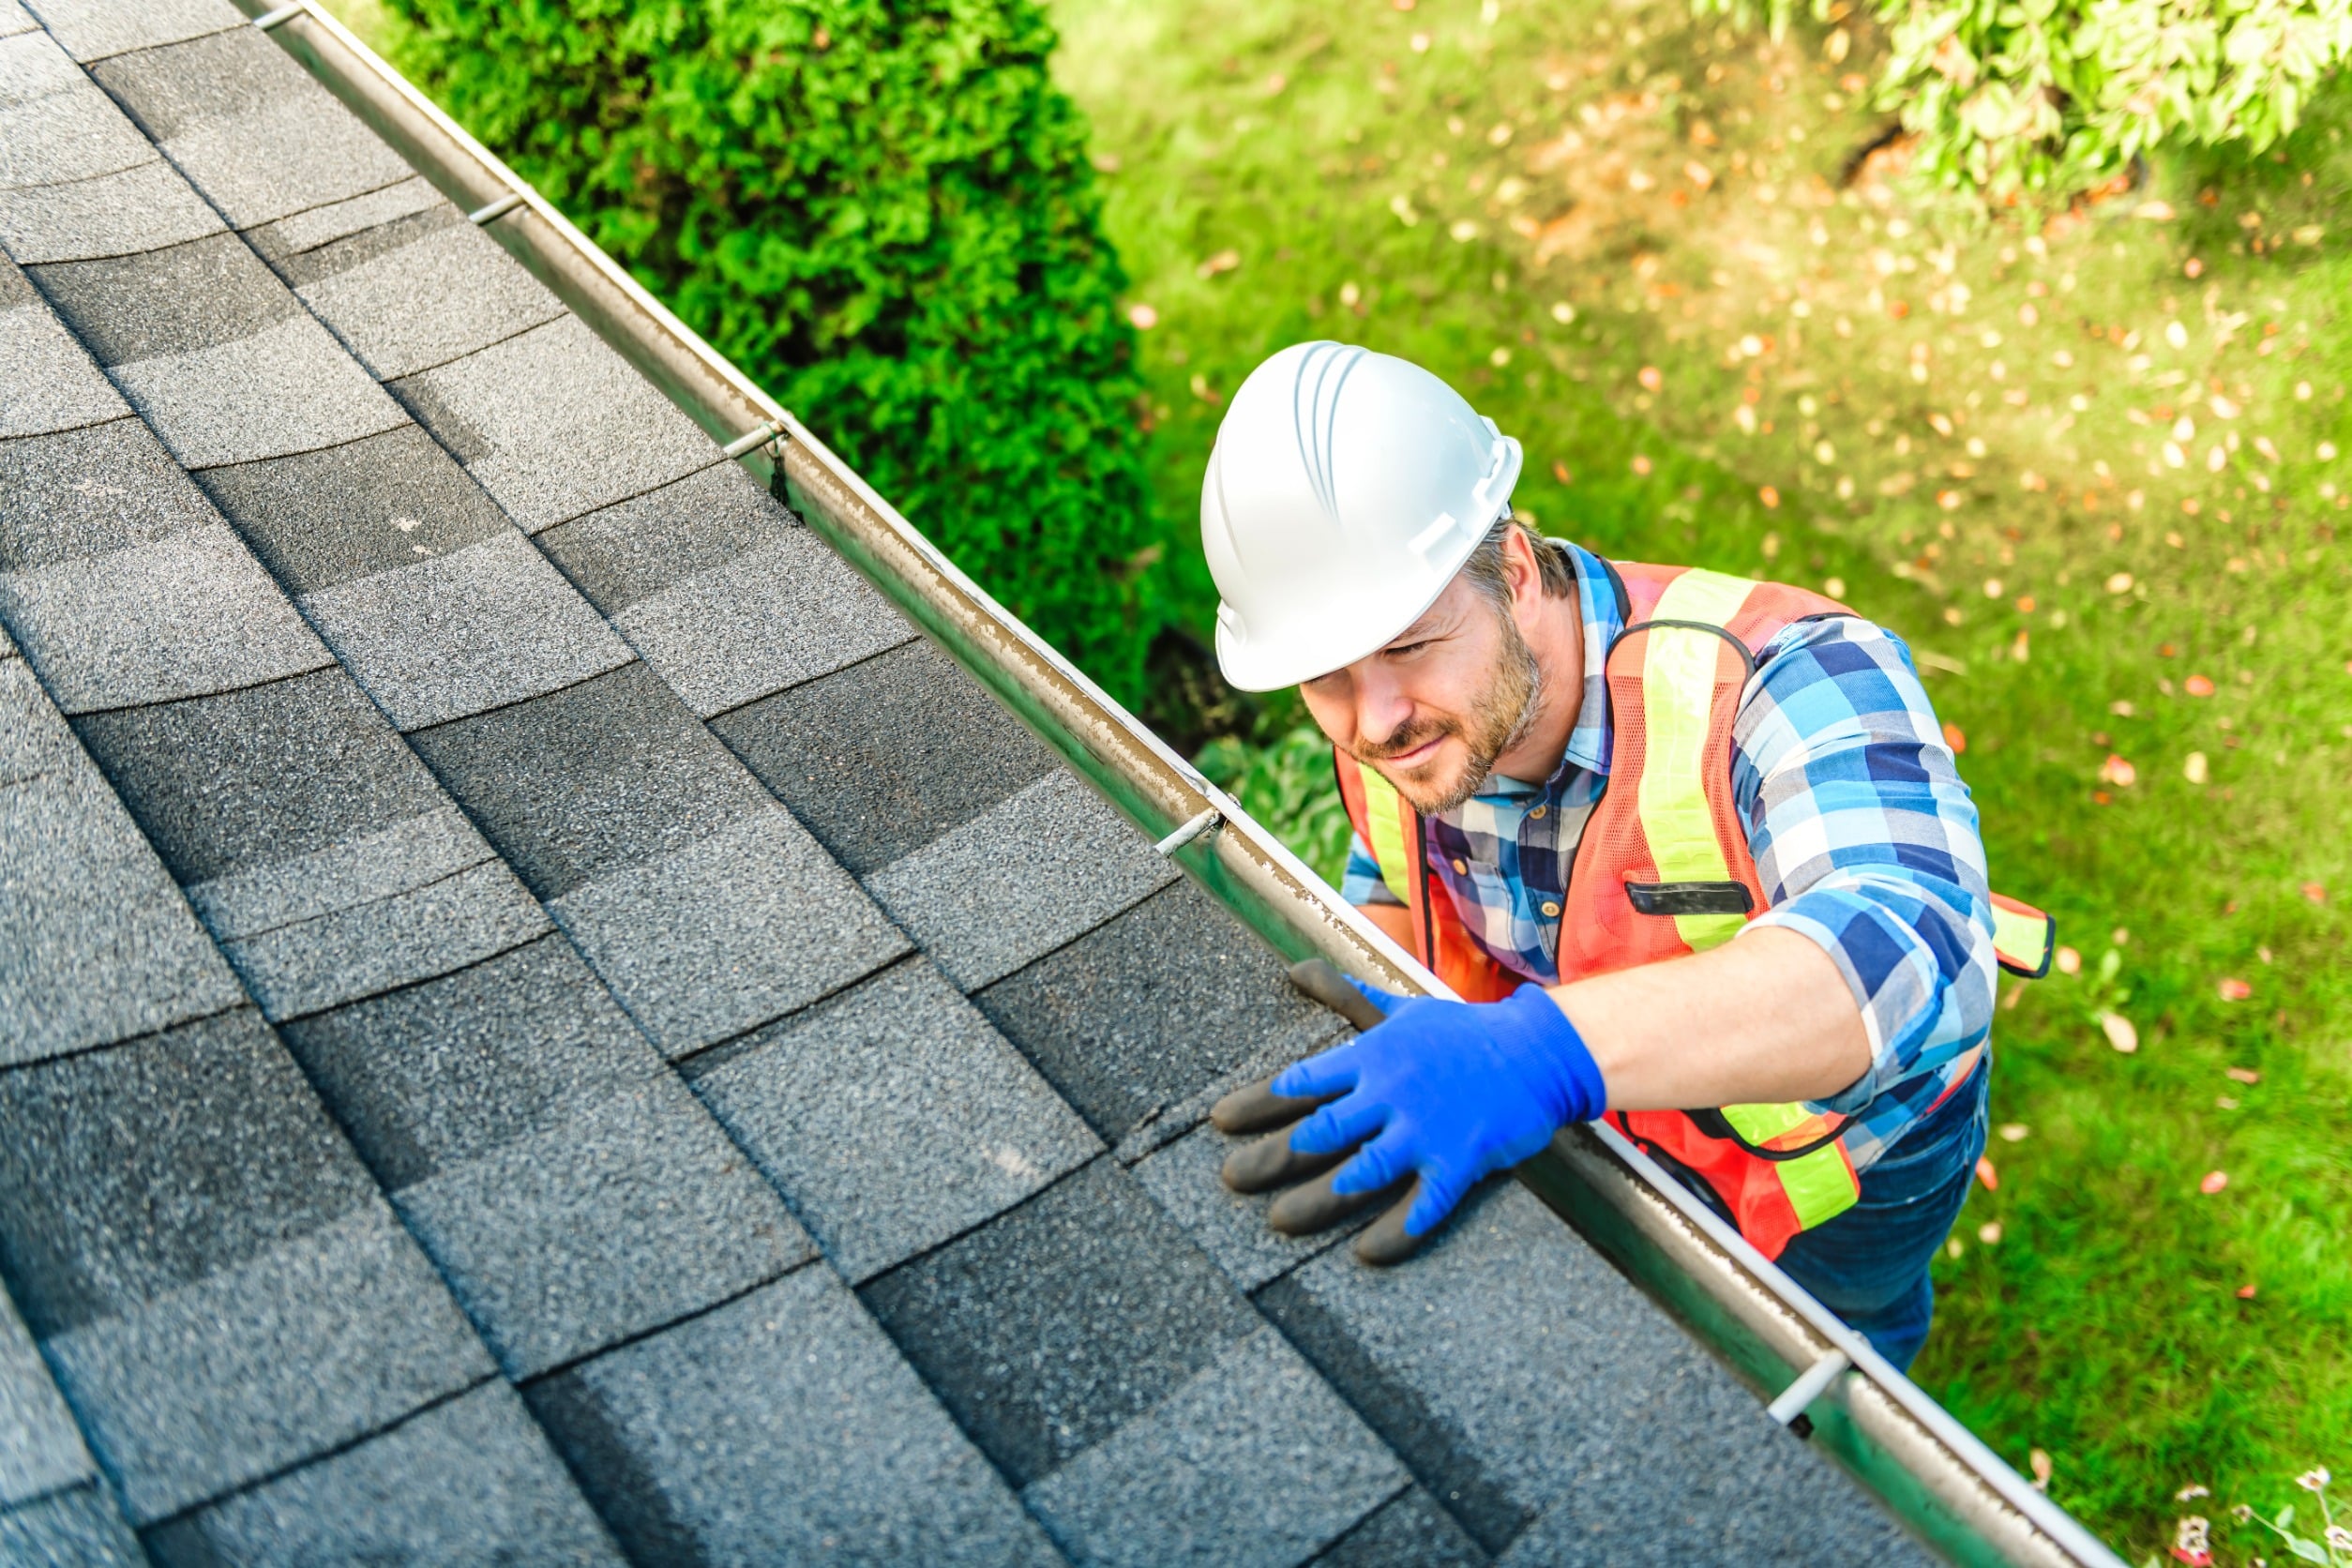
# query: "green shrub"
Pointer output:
{"type": "Point", "coordinates": [883, 213]}
{"type": "Point", "coordinates": [2049, 98]}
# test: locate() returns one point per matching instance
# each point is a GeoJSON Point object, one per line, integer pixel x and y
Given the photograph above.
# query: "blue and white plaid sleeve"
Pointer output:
{"type": "Point", "coordinates": [1361, 884]}
{"type": "Point", "coordinates": [1865, 841]}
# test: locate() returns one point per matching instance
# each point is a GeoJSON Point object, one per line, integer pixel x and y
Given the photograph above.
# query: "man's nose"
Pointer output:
{"type": "Point", "coordinates": [1382, 710]}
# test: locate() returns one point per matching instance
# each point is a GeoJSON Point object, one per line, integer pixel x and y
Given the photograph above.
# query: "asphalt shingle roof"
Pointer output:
{"type": "Point", "coordinates": [539, 1020]}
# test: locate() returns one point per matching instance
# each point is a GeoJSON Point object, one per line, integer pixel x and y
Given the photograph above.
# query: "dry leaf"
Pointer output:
{"type": "Point", "coordinates": [2193, 767]}
{"type": "Point", "coordinates": [1143, 316]}
{"type": "Point", "coordinates": [1989, 1232]}
{"type": "Point", "coordinates": [1986, 1174]}
{"type": "Point", "coordinates": [2119, 1033]}
{"type": "Point", "coordinates": [2241, 1074]}
{"type": "Point", "coordinates": [2043, 1470]}
{"type": "Point", "coordinates": [1224, 260]}
{"type": "Point", "coordinates": [2315, 892]}
{"type": "Point", "coordinates": [2233, 991]}
{"type": "Point", "coordinates": [2215, 1182]}
{"type": "Point", "coordinates": [2015, 1132]}
{"type": "Point", "coordinates": [2198, 686]}
{"type": "Point", "coordinates": [2069, 961]}
{"type": "Point", "coordinates": [1954, 738]}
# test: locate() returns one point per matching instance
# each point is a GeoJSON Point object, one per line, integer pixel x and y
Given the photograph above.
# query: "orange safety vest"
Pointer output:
{"type": "Point", "coordinates": [1663, 870]}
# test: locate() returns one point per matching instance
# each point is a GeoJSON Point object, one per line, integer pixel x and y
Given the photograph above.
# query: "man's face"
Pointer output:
{"type": "Point", "coordinates": [1433, 709]}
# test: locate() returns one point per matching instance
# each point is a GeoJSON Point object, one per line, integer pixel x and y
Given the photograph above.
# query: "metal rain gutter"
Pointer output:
{"type": "Point", "coordinates": [1933, 1472]}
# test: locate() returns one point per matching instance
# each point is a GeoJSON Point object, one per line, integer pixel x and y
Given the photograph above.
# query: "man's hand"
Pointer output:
{"type": "Point", "coordinates": [1440, 1092]}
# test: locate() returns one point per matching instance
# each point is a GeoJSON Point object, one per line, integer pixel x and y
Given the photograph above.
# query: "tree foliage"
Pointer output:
{"type": "Point", "coordinates": [885, 214]}
{"type": "Point", "coordinates": [2050, 98]}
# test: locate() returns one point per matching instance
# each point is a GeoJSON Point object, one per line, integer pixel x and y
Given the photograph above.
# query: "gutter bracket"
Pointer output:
{"type": "Point", "coordinates": [1204, 822]}
{"type": "Point", "coordinates": [1812, 1382]}
{"type": "Point", "coordinates": [494, 210]}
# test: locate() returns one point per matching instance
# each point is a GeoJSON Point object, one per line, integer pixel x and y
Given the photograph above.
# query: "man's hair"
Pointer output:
{"type": "Point", "coordinates": [1485, 572]}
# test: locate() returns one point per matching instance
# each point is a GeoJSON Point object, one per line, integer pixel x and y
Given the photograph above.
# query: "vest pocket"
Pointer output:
{"type": "Point", "coordinates": [1689, 897]}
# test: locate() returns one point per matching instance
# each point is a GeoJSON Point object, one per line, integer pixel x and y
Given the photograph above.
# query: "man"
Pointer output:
{"type": "Point", "coordinates": [1678, 839]}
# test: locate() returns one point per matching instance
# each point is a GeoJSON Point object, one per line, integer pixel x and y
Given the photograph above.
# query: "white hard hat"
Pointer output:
{"type": "Point", "coordinates": [1344, 490]}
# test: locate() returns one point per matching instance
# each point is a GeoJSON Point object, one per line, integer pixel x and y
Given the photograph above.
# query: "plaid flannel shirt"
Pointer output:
{"type": "Point", "coordinates": [1865, 840]}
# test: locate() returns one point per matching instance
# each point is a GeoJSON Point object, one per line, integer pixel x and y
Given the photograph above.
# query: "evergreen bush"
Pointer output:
{"type": "Point", "coordinates": [884, 213]}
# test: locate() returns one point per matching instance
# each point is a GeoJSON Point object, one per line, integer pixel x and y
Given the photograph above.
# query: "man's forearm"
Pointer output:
{"type": "Point", "coordinates": [1763, 1018]}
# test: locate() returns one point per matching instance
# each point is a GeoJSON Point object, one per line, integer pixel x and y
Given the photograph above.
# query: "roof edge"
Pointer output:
{"type": "Point", "coordinates": [1929, 1469]}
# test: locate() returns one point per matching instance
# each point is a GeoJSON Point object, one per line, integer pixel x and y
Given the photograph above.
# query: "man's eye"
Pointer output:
{"type": "Point", "coordinates": [1402, 650]}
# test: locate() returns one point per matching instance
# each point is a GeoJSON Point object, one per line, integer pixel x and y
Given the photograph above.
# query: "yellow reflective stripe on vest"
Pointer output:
{"type": "Point", "coordinates": [1678, 691]}
{"type": "Point", "coordinates": [1820, 1185]}
{"type": "Point", "coordinates": [2022, 938]}
{"type": "Point", "coordinates": [1761, 1124]}
{"type": "Point", "coordinates": [1383, 813]}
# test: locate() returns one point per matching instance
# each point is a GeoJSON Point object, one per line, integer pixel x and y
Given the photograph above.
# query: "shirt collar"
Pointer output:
{"type": "Point", "coordinates": [1596, 601]}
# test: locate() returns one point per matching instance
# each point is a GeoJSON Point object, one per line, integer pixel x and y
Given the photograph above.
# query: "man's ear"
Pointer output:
{"type": "Point", "coordinates": [1521, 568]}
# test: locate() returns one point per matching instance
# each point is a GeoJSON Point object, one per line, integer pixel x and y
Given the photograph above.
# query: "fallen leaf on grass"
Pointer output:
{"type": "Point", "coordinates": [1986, 1174]}
{"type": "Point", "coordinates": [1989, 1232]}
{"type": "Point", "coordinates": [2119, 583]}
{"type": "Point", "coordinates": [1560, 471]}
{"type": "Point", "coordinates": [2119, 1033]}
{"type": "Point", "coordinates": [1954, 738]}
{"type": "Point", "coordinates": [2246, 1292]}
{"type": "Point", "coordinates": [2154, 212]}
{"type": "Point", "coordinates": [2315, 892]}
{"type": "Point", "coordinates": [2198, 686]}
{"type": "Point", "coordinates": [2118, 772]}
{"type": "Point", "coordinates": [2193, 767]}
{"type": "Point", "coordinates": [2215, 1182]}
{"type": "Point", "coordinates": [2241, 1074]}
{"type": "Point", "coordinates": [2015, 1132]}
{"type": "Point", "coordinates": [2039, 1463]}
{"type": "Point", "coordinates": [1770, 496]}
{"type": "Point", "coordinates": [1224, 260]}
{"type": "Point", "coordinates": [2233, 991]}
{"type": "Point", "coordinates": [1143, 316]}
{"type": "Point", "coordinates": [2190, 1493]}
{"type": "Point", "coordinates": [2069, 961]}
{"type": "Point", "coordinates": [1652, 381]}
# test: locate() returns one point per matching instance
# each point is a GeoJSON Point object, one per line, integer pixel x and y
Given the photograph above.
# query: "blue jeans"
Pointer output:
{"type": "Point", "coordinates": [1869, 1265]}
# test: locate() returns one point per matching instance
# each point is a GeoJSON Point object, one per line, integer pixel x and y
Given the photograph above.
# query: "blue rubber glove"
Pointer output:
{"type": "Point", "coordinates": [1452, 1090]}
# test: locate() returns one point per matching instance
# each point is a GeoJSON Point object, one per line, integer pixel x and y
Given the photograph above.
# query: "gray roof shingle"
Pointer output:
{"type": "Point", "coordinates": [553, 424]}
{"type": "Point", "coordinates": [571, 1188]}
{"type": "Point", "coordinates": [215, 352]}
{"type": "Point", "coordinates": [306, 231]}
{"type": "Point", "coordinates": [1530, 1386]}
{"type": "Point", "coordinates": [722, 591]}
{"type": "Point", "coordinates": [1253, 1460]}
{"type": "Point", "coordinates": [1410, 1532]}
{"type": "Point", "coordinates": [1144, 1022]}
{"type": "Point", "coordinates": [250, 128]}
{"type": "Point", "coordinates": [124, 586]}
{"type": "Point", "coordinates": [47, 383]}
{"type": "Point", "coordinates": [80, 895]}
{"type": "Point", "coordinates": [508, 628]}
{"type": "Point", "coordinates": [76, 134]}
{"type": "Point", "coordinates": [364, 287]}
{"type": "Point", "coordinates": [469, 1481]}
{"type": "Point", "coordinates": [132, 209]}
{"type": "Point", "coordinates": [884, 757]}
{"type": "Point", "coordinates": [708, 910]}
{"type": "Point", "coordinates": [1040, 868]}
{"type": "Point", "coordinates": [780, 1427]}
{"type": "Point", "coordinates": [212, 1274]}
{"type": "Point", "coordinates": [1036, 1328]}
{"type": "Point", "coordinates": [41, 1448]}
{"type": "Point", "coordinates": [91, 30]}
{"type": "Point", "coordinates": [893, 1117]}
{"type": "Point", "coordinates": [76, 1529]}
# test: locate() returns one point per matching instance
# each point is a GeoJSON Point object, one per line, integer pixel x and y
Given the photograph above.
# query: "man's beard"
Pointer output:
{"type": "Point", "coordinates": [1502, 718]}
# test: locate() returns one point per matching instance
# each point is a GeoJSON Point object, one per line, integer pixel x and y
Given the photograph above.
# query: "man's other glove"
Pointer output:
{"type": "Point", "coordinates": [1440, 1093]}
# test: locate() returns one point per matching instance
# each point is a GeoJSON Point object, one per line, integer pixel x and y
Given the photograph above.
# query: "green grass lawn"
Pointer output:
{"type": "Point", "coordinates": [1631, 241]}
